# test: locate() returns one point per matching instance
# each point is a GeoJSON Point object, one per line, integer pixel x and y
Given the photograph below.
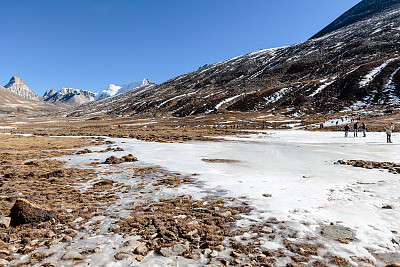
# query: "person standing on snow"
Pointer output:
{"type": "Point", "coordinates": [346, 130]}
{"type": "Point", "coordinates": [388, 134]}
{"type": "Point", "coordinates": [356, 129]}
{"type": "Point", "coordinates": [364, 129]}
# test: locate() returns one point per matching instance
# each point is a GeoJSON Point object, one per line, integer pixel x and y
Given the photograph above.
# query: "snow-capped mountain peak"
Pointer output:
{"type": "Point", "coordinates": [116, 90]}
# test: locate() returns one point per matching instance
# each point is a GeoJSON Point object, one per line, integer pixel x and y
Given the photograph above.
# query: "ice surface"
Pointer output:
{"type": "Point", "coordinates": [295, 167]}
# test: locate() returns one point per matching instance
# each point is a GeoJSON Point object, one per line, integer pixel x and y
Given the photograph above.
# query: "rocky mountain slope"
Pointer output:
{"type": "Point", "coordinates": [11, 103]}
{"type": "Point", "coordinates": [116, 90]}
{"type": "Point", "coordinates": [69, 96]}
{"type": "Point", "coordinates": [352, 67]}
{"type": "Point", "coordinates": [16, 85]}
{"type": "Point", "coordinates": [364, 10]}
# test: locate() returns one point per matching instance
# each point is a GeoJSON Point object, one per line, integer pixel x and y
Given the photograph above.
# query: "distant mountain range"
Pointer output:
{"type": "Point", "coordinates": [116, 90]}
{"type": "Point", "coordinates": [68, 96]}
{"type": "Point", "coordinates": [353, 63]}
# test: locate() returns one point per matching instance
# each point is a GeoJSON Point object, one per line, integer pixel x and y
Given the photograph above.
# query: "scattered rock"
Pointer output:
{"type": "Point", "coordinates": [267, 230]}
{"type": "Point", "coordinates": [72, 256]}
{"type": "Point", "coordinates": [141, 250]}
{"type": "Point", "coordinates": [213, 254]}
{"type": "Point", "coordinates": [391, 259]}
{"type": "Point", "coordinates": [114, 228]}
{"type": "Point", "coordinates": [84, 151]}
{"type": "Point", "coordinates": [3, 262]}
{"type": "Point", "coordinates": [391, 167]}
{"type": "Point", "coordinates": [66, 238]}
{"type": "Point", "coordinates": [49, 264]}
{"type": "Point", "coordinates": [220, 247]}
{"type": "Point", "coordinates": [175, 250]}
{"type": "Point", "coordinates": [139, 258]}
{"type": "Point", "coordinates": [25, 212]}
{"type": "Point", "coordinates": [115, 160]}
{"type": "Point", "coordinates": [387, 207]}
{"type": "Point", "coordinates": [121, 255]}
{"type": "Point", "coordinates": [207, 252]}
{"type": "Point", "coordinates": [267, 195]}
{"type": "Point", "coordinates": [131, 243]}
{"type": "Point", "coordinates": [5, 222]}
{"type": "Point", "coordinates": [129, 158]}
{"type": "Point", "coordinates": [337, 232]}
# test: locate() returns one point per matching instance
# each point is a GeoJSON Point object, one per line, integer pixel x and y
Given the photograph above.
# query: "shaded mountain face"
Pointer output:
{"type": "Point", "coordinates": [69, 96]}
{"type": "Point", "coordinates": [356, 66]}
{"type": "Point", "coordinates": [16, 85]}
{"type": "Point", "coordinates": [364, 10]}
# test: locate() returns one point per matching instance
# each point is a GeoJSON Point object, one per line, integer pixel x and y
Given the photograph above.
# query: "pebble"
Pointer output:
{"type": "Point", "coordinates": [67, 238]}
{"type": "Point", "coordinates": [214, 254]}
{"type": "Point", "coordinates": [5, 222]}
{"type": "Point", "coordinates": [50, 234]}
{"type": "Point", "coordinates": [34, 242]}
{"type": "Point", "coordinates": [220, 247]}
{"type": "Point", "coordinates": [226, 213]}
{"type": "Point", "coordinates": [267, 230]}
{"type": "Point", "coordinates": [114, 228]}
{"type": "Point", "coordinates": [3, 262]}
{"type": "Point", "coordinates": [141, 250]}
{"type": "Point", "coordinates": [131, 243]}
{"type": "Point", "coordinates": [122, 256]}
{"type": "Point", "coordinates": [235, 254]}
{"type": "Point", "coordinates": [175, 250]}
{"type": "Point", "coordinates": [207, 252]}
{"type": "Point", "coordinates": [139, 258]}
{"type": "Point", "coordinates": [72, 256]}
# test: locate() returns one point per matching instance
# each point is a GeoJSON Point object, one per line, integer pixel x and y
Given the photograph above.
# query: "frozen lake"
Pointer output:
{"type": "Point", "coordinates": [296, 168]}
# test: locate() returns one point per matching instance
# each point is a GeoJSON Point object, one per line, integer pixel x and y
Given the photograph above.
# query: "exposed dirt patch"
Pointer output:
{"type": "Point", "coordinates": [390, 166]}
{"type": "Point", "coordinates": [44, 183]}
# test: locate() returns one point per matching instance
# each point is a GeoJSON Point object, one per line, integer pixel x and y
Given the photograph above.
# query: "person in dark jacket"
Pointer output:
{"type": "Point", "coordinates": [356, 129]}
{"type": "Point", "coordinates": [346, 130]}
{"type": "Point", "coordinates": [364, 129]}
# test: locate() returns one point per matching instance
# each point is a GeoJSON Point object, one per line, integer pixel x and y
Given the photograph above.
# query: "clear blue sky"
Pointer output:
{"type": "Point", "coordinates": [88, 44]}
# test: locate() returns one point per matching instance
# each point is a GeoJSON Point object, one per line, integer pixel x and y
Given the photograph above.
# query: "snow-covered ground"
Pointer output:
{"type": "Point", "coordinates": [296, 168]}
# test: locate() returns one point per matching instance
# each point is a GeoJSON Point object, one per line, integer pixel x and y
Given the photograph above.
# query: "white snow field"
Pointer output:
{"type": "Point", "coordinates": [296, 167]}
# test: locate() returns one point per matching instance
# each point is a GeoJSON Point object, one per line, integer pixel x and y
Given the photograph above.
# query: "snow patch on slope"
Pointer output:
{"type": "Point", "coordinates": [277, 95]}
{"type": "Point", "coordinates": [375, 72]}
{"type": "Point", "coordinates": [322, 87]}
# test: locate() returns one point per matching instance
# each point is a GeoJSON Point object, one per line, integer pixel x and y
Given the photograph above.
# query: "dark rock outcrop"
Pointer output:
{"type": "Point", "coordinates": [24, 212]}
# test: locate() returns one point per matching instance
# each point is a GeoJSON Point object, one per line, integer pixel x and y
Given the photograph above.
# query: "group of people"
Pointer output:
{"type": "Point", "coordinates": [355, 129]}
{"type": "Point", "coordinates": [389, 130]}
